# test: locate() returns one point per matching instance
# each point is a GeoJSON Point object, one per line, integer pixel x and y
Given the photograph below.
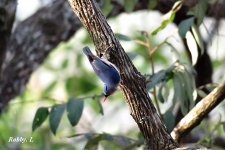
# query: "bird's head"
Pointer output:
{"type": "Point", "coordinates": [108, 90]}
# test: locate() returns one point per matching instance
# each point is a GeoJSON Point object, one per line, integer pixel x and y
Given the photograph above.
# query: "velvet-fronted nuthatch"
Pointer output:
{"type": "Point", "coordinates": [105, 70]}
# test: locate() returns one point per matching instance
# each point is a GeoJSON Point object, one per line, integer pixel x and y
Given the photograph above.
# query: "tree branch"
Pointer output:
{"type": "Point", "coordinates": [196, 115]}
{"type": "Point", "coordinates": [30, 44]}
{"type": "Point", "coordinates": [133, 83]}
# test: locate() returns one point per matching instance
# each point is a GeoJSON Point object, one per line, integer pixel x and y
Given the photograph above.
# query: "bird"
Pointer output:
{"type": "Point", "coordinates": [105, 70]}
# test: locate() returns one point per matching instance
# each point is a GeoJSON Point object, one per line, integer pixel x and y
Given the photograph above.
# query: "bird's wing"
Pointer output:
{"type": "Point", "coordinates": [100, 65]}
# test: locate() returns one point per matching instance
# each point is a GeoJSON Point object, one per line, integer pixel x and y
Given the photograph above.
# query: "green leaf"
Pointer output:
{"type": "Point", "coordinates": [156, 78]}
{"type": "Point", "coordinates": [169, 120]}
{"type": "Point", "coordinates": [199, 11]}
{"type": "Point", "coordinates": [129, 5]}
{"type": "Point", "coordinates": [160, 95]}
{"type": "Point", "coordinates": [178, 93]}
{"type": "Point", "coordinates": [55, 116]}
{"type": "Point", "coordinates": [184, 88]}
{"type": "Point", "coordinates": [168, 18]}
{"type": "Point", "coordinates": [184, 102]}
{"type": "Point", "coordinates": [201, 93]}
{"type": "Point", "coordinates": [189, 86]}
{"type": "Point", "coordinates": [122, 37]}
{"type": "Point", "coordinates": [74, 110]}
{"type": "Point", "coordinates": [162, 75]}
{"type": "Point", "coordinates": [198, 37]}
{"type": "Point", "coordinates": [185, 26]}
{"type": "Point", "coordinates": [40, 116]}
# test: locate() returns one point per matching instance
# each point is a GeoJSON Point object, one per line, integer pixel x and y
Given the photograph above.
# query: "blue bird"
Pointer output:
{"type": "Point", "coordinates": [105, 70]}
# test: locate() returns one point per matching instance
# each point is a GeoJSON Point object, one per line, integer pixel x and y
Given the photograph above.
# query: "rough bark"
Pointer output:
{"type": "Point", "coordinates": [196, 115]}
{"type": "Point", "coordinates": [7, 15]}
{"type": "Point", "coordinates": [133, 83]}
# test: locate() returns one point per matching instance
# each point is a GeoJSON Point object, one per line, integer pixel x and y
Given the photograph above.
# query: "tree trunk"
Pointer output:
{"type": "Point", "coordinates": [7, 15]}
{"type": "Point", "coordinates": [133, 83]}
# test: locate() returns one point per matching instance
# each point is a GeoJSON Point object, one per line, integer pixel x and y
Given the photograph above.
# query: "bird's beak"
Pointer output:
{"type": "Point", "coordinates": [104, 99]}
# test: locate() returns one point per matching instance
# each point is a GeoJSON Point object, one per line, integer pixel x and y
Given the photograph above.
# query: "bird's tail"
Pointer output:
{"type": "Point", "coordinates": [88, 53]}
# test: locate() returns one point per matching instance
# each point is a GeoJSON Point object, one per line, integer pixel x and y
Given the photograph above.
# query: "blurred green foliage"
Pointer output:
{"type": "Point", "coordinates": [72, 90]}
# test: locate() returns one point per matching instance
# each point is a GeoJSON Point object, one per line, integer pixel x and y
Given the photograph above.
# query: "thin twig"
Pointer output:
{"type": "Point", "coordinates": [151, 52]}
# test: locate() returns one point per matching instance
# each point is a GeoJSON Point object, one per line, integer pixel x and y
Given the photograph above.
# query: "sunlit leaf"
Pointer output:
{"type": "Point", "coordinates": [184, 26]}
{"type": "Point", "coordinates": [168, 18]}
{"type": "Point", "coordinates": [177, 5]}
{"type": "Point", "coordinates": [192, 46]}
{"type": "Point", "coordinates": [55, 116]}
{"type": "Point", "coordinates": [40, 116]}
{"type": "Point", "coordinates": [201, 93]}
{"type": "Point", "coordinates": [198, 37]}
{"type": "Point", "coordinates": [74, 109]}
